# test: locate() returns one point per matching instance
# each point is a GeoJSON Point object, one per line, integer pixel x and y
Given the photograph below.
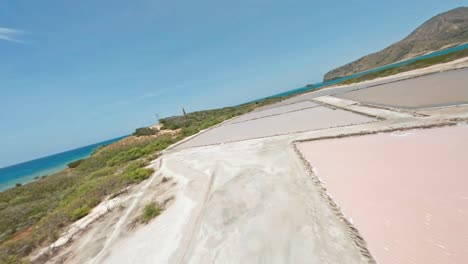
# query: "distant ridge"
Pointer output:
{"type": "Point", "coordinates": [443, 30]}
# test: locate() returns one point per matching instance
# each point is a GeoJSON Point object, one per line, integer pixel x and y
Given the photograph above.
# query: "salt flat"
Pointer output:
{"type": "Point", "coordinates": [276, 110]}
{"type": "Point", "coordinates": [280, 124]}
{"type": "Point", "coordinates": [460, 64]}
{"type": "Point", "coordinates": [439, 89]}
{"type": "Point", "coordinates": [405, 191]}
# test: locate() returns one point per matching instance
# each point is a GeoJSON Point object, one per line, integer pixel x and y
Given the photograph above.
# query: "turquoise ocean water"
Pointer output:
{"type": "Point", "coordinates": [27, 171]}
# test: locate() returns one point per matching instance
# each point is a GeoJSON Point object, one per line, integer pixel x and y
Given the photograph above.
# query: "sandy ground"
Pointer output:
{"type": "Point", "coordinates": [254, 200]}
{"type": "Point", "coordinates": [405, 191]}
{"type": "Point", "coordinates": [442, 89]}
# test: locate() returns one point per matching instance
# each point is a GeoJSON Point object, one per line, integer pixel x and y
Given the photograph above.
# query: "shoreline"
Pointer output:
{"type": "Point", "coordinates": [44, 166]}
{"type": "Point", "coordinates": [6, 185]}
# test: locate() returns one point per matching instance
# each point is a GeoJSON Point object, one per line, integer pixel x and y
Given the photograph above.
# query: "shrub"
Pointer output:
{"type": "Point", "coordinates": [74, 164]}
{"type": "Point", "coordinates": [138, 175]}
{"type": "Point", "coordinates": [135, 165]}
{"type": "Point", "coordinates": [145, 131]}
{"type": "Point", "coordinates": [173, 126]}
{"type": "Point", "coordinates": [128, 155]}
{"type": "Point", "coordinates": [189, 131]}
{"type": "Point", "coordinates": [150, 211]}
{"type": "Point", "coordinates": [80, 212]}
{"type": "Point", "coordinates": [162, 143]}
{"type": "Point", "coordinates": [102, 172]}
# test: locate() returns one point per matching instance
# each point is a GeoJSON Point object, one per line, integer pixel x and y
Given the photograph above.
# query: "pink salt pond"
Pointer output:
{"type": "Point", "coordinates": [406, 192]}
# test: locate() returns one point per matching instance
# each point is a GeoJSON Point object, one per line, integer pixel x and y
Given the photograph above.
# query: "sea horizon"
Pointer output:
{"type": "Point", "coordinates": [28, 171]}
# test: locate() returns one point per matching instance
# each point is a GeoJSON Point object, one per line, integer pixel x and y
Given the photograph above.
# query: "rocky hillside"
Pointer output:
{"type": "Point", "coordinates": [443, 30]}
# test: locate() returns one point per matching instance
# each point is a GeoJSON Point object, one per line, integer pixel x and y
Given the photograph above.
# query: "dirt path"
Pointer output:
{"type": "Point", "coordinates": [124, 219]}
{"type": "Point", "coordinates": [187, 248]}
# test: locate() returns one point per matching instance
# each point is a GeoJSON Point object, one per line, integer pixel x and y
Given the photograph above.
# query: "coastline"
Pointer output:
{"type": "Point", "coordinates": [27, 172]}
{"type": "Point", "coordinates": [5, 185]}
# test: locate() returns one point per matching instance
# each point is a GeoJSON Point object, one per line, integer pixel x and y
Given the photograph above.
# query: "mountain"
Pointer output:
{"type": "Point", "coordinates": [443, 30]}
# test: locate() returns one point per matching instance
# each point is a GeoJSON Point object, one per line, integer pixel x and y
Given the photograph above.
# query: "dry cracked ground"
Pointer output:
{"type": "Point", "coordinates": [366, 173]}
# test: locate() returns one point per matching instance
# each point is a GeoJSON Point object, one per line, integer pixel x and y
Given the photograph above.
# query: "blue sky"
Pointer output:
{"type": "Point", "coordinates": [74, 73]}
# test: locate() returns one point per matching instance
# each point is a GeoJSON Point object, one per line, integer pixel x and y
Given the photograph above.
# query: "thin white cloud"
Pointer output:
{"type": "Point", "coordinates": [10, 34]}
{"type": "Point", "coordinates": [141, 98]}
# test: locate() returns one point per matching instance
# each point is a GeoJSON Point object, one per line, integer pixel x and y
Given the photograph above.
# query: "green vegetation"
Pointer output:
{"type": "Point", "coordinates": [138, 175]}
{"type": "Point", "coordinates": [80, 212]}
{"type": "Point", "coordinates": [35, 214]}
{"type": "Point", "coordinates": [145, 131]}
{"type": "Point", "coordinates": [410, 66]}
{"type": "Point", "coordinates": [74, 164]}
{"type": "Point", "coordinates": [150, 211]}
{"type": "Point", "coordinates": [192, 123]}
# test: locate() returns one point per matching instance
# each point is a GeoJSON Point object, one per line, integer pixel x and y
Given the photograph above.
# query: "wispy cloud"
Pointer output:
{"type": "Point", "coordinates": [10, 34]}
{"type": "Point", "coordinates": [141, 98]}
